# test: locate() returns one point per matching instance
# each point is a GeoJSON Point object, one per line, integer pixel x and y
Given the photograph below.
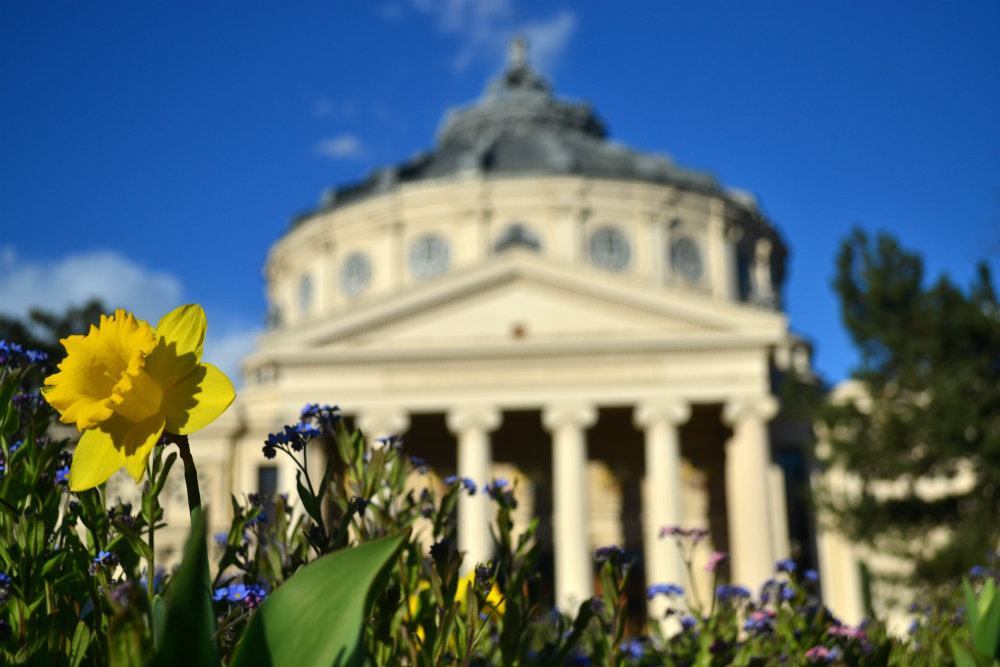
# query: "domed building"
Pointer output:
{"type": "Point", "coordinates": [532, 301]}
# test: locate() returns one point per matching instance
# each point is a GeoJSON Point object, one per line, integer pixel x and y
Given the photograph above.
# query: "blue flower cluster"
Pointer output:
{"type": "Point", "coordinates": [104, 559]}
{"type": "Point", "coordinates": [772, 589]}
{"type": "Point", "coordinates": [469, 485]}
{"type": "Point", "coordinates": [664, 589]}
{"type": "Point", "coordinates": [294, 437]}
{"type": "Point", "coordinates": [612, 552]}
{"type": "Point", "coordinates": [12, 353]}
{"type": "Point", "coordinates": [726, 592]}
{"type": "Point", "coordinates": [250, 596]}
{"type": "Point", "coordinates": [324, 414]}
{"type": "Point", "coordinates": [786, 565]}
{"type": "Point", "coordinates": [760, 622]}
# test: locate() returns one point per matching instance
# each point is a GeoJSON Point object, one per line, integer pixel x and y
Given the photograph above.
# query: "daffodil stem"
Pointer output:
{"type": "Point", "coordinates": [190, 472]}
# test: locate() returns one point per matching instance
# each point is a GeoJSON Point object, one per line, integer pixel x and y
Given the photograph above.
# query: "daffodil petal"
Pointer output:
{"type": "Point", "coordinates": [135, 440]}
{"type": "Point", "coordinates": [197, 399]}
{"type": "Point", "coordinates": [184, 325]}
{"type": "Point", "coordinates": [94, 460]}
{"type": "Point", "coordinates": [180, 339]}
{"type": "Point", "coordinates": [136, 462]}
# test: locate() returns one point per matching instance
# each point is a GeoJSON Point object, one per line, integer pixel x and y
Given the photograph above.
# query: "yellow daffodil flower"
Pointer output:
{"type": "Point", "coordinates": [125, 382]}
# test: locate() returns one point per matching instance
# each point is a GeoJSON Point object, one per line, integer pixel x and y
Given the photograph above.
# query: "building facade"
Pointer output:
{"type": "Point", "coordinates": [532, 301]}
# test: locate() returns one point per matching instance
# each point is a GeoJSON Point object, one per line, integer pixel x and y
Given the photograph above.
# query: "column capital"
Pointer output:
{"type": "Point", "coordinates": [381, 422]}
{"type": "Point", "coordinates": [762, 407]}
{"type": "Point", "coordinates": [479, 417]}
{"type": "Point", "coordinates": [674, 411]}
{"type": "Point", "coordinates": [581, 415]}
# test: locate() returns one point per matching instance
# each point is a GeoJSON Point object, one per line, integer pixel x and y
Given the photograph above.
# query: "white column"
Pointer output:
{"type": "Point", "coordinates": [663, 505]}
{"type": "Point", "coordinates": [574, 570]}
{"type": "Point", "coordinates": [382, 422]}
{"type": "Point", "coordinates": [472, 426]}
{"type": "Point", "coordinates": [748, 459]}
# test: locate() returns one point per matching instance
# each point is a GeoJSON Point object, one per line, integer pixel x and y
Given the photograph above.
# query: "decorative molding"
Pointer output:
{"type": "Point", "coordinates": [761, 407]}
{"type": "Point", "coordinates": [580, 415]}
{"type": "Point", "coordinates": [674, 411]}
{"type": "Point", "coordinates": [383, 422]}
{"type": "Point", "coordinates": [478, 417]}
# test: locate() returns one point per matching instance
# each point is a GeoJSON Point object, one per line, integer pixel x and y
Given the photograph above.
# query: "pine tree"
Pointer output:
{"type": "Point", "coordinates": [930, 372]}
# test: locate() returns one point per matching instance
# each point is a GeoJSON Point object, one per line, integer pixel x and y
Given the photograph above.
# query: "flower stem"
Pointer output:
{"type": "Point", "coordinates": [190, 472]}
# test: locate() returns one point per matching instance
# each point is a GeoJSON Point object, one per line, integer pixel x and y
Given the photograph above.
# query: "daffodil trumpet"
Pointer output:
{"type": "Point", "coordinates": [126, 384]}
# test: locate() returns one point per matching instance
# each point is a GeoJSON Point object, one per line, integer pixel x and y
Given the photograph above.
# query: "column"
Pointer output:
{"type": "Point", "coordinates": [717, 249]}
{"type": "Point", "coordinates": [382, 422]}
{"type": "Point", "coordinates": [472, 427]}
{"type": "Point", "coordinates": [748, 459]}
{"type": "Point", "coordinates": [573, 560]}
{"type": "Point", "coordinates": [663, 504]}
{"type": "Point", "coordinates": [397, 255]}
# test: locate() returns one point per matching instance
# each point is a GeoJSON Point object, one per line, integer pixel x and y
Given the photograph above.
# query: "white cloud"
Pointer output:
{"type": "Point", "coordinates": [341, 147]}
{"type": "Point", "coordinates": [548, 39]}
{"type": "Point", "coordinates": [486, 26]}
{"type": "Point", "coordinates": [54, 285]}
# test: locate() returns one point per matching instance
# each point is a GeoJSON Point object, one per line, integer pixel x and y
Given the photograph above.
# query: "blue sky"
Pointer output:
{"type": "Point", "coordinates": [150, 152]}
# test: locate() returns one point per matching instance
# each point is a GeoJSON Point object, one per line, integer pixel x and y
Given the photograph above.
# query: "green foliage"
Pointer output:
{"type": "Point", "coordinates": [983, 617]}
{"type": "Point", "coordinates": [930, 369]}
{"type": "Point", "coordinates": [327, 601]}
{"type": "Point", "coordinates": [189, 611]}
{"type": "Point", "coordinates": [363, 568]}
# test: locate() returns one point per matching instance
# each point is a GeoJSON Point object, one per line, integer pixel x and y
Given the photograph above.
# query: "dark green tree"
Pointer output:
{"type": "Point", "coordinates": [930, 370]}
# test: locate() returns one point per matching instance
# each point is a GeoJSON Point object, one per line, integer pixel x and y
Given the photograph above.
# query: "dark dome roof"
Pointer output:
{"type": "Point", "coordinates": [519, 128]}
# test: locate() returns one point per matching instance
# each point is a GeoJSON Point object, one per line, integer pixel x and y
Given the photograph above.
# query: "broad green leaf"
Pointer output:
{"type": "Point", "coordinates": [159, 620]}
{"type": "Point", "coordinates": [987, 633]}
{"type": "Point", "coordinates": [317, 617]}
{"type": "Point", "coordinates": [961, 655]}
{"type": "Point", "coordinates": [190, 620]}
{"type": "Point", "coordinates": [971, 608]}
{"type": "Point", "coordinates": [125, 640]}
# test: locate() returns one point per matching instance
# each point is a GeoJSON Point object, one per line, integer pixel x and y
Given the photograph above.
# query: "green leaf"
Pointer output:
{"type": "Point", "coordinates": [987, 633]}
{"type": "Point", "coordinates": [971, 608]}
{"type": "Point", "coordinates": [961, 655]}
{"type": "Point", "coordinates": [79, 645]}
{"type": "Point", "coordinates": [309, 502]}
{"type": "Point", "coordinates": [190, 620]}
{"type": "Point", "coordinates": [159, 620]}
{"type": "Point", "coordinates": [317, 617]}
{"type": "Point", "coordinates": [125, 640]}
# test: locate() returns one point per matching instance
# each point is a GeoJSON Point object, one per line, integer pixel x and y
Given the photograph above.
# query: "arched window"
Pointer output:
{"type": "Point", "coordinates": [685, 258]}
{"type": "Point", "coordinates": [517, 235]}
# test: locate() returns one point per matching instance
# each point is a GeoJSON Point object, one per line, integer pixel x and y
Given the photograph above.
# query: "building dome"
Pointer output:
{"type": "Point", "coordinates": [519, 127]}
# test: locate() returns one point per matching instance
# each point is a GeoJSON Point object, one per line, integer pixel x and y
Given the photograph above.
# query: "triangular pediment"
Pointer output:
{"type": "Point", "coordinates": [520, 298]}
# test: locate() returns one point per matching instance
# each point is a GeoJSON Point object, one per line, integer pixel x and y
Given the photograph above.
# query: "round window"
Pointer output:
{"type": "Point", "coordinates": [609, 249]}
{"type": "Point", "coordinates": [429, 256]}
{"type": "Point", "coordinates": [355, 274]}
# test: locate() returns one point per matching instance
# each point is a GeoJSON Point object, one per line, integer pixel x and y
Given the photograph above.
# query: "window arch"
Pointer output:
{"type": "Point", "coordinates": [517, 235]}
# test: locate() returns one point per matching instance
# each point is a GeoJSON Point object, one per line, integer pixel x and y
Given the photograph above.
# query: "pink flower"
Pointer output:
{"type": "Point", "coordinates": [715, 560]}
{"type": "Point", "coordinates": [817, 653]}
